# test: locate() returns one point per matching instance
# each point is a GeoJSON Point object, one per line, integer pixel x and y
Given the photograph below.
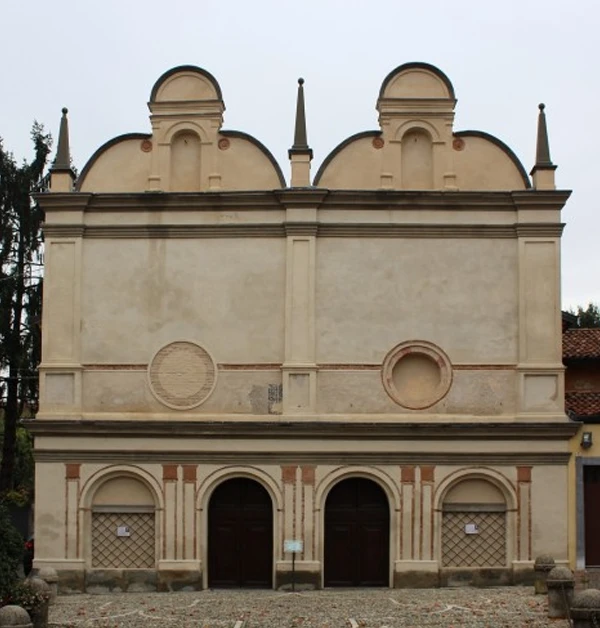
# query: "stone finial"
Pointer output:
{"type": "Point", "coordinates": [542, 154]}
{"type": "Point", "coordinates": [542, 566]}
{"type": "Point", "coordinates": [560, 585]}
{"type": "Point", "coordinates": [590, 598]}
{"type": "Point", "coordinates": [543, 171]}
{"type": "Point", "coordinates": [62, 174]}
{"type": "Point", "coordinates": [300, 153]}
{"type": "Point", "coordinates": [39, 614]}
{"type": "Point", "coordinates": [544, 562]}
{"type": "Point", "coordinates": [36, 584]}
{"type": "Point", "coordinates": [63, 154]}
{"type": "Point", "coordinates": [50, 577]}
{"type": "Point", "coordinates": [300, 137]}
{"type": "Point", "coordinates": [15, 617]}
{"type": "Point", "coordinates": [585, 608]}
{"type": "Point", "coordinates": [560, 574]}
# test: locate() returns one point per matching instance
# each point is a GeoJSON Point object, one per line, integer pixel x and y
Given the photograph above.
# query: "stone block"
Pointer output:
{"type": "Point", "coordinates": [416, 579]}
{"type": "Point", "coordinates": [303, 580]}
{"type": "Point", "coordinates": [179, 580]}
{"type": "Point", "coordinates": [12, 616]}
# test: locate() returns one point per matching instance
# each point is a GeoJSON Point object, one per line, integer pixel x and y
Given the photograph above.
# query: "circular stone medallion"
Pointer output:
{"type": "Point", "coordinates": [416, 374]}
{"type": "Point", "coordinates": [182, 375]}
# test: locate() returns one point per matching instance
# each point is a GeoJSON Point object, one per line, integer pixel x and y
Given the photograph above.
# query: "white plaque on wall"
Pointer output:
{"type": "Point", "coordinates": [293, 546]}
{"type": "Point", "coordinates": [471, 528]}
{"type": "Point", "coordinates": [123, 531]}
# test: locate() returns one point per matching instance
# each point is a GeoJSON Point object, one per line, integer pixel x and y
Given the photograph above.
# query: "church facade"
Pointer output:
{"type": "Point", "coordinates": [356, 376]}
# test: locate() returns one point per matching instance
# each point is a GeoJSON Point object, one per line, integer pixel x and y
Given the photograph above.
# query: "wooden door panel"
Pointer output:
{"type": "Point", "coordinates": [340, 563]}
{"type": "Point", "coordinates": [356, 535]}
{"type": "Point", "coordinates": [374, 555]}
{"type": "Point", "coordinates": [256, 554]}
{"type": "Point", "coordinates": [240, 535]}
{"type": "Point", "coordinates": [223, 555]}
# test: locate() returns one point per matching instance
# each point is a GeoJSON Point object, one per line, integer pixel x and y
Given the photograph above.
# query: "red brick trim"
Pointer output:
{"type": "Point", "coordinates": [427, 473]}
{"type": "Point", "coordinates": [72, 471]}
{"type": "Point", "coordinates": [523, 474]}
{"type": "Point", "coordinates": [288, 474]}
{"type": "Point", "coordinates": [170, 471]}
{"type": "Point", "coordinates": [189, 472]}
{"type": "Point", "coordinates": [308, 475]}
{"type": "Point", "coordinates": [407, 474]}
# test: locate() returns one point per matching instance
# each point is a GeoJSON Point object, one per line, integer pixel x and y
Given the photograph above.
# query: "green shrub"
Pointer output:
{"type": "Point", "coordinates": [23, 595]}
{"type": "Point", "coordinates": [11, 554]}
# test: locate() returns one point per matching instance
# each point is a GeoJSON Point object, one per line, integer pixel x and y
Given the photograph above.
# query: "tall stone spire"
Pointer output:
{"type": "Point", "coordinates": [300, 153]}
{"type": "Point", "coordinates": [62, 175]}
{"type": "Point", "coordinates": [543, 171]}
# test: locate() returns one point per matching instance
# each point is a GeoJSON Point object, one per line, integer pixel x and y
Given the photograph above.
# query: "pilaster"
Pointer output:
{"type": "Point", "coordinates": [299, 371]}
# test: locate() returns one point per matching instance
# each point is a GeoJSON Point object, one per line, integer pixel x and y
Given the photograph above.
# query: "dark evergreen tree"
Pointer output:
{"type": "Point", "coordinates": [20, 293]}
{"type": "Point", "coordinates": [11, 554]}
{"type": "Point", "coordinates": [588, 317]}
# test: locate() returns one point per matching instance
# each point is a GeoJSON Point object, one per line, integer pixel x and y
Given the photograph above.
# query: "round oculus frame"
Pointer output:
{"type": "Point", "coordinates": [416, 374]}
{"type": "Point", "coordinates": [182, 375]}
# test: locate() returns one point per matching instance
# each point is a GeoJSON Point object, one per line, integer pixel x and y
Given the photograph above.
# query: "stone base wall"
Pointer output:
{"type": "Point", "coordinates": [147, 580]}
{"type": "Point", "coordinates": [476, 577]}
{"type": "Point", "coordinates": [303, 580]}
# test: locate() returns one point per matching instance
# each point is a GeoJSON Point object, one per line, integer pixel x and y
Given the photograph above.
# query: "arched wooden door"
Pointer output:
{"type": "Point", "coordinates": [357, 535]}
{"type": "Point", "coordinates": [240, 535]}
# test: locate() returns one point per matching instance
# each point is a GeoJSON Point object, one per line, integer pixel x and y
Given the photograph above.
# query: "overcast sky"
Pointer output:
{"type": "Point", "coordinates": [101, 58]}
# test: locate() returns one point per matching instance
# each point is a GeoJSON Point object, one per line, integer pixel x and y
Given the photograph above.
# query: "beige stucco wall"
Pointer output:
{"type": "Point", "coordinates": [374, 293]}
{"type": "Point", "coordinates": [491, 393]}
{"type": "Point", "coordinates": [549, 511]}
{"type": "Point", "coordinates": [141, 294]}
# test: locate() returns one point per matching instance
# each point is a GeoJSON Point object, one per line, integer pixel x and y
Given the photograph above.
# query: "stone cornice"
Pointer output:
{"type": "Point", "coordinates": [269, 230]}
{"type": "Point", "coordinates": [329, 230]}
{"type": "Point", "coordinates": [69, 201]}
{"type": "Point", "coordinates": [306, 197]}
{"type": "Point", "coordinates": [538, 230]}
{"type": "Point", "coordinates": [121, 456]}
{"type": "Point", "coordinates": [323, 430]}
{"type": "Point", "coordinates": [301, 197]}
{"type": "Point", "coordinates": [541, 199]}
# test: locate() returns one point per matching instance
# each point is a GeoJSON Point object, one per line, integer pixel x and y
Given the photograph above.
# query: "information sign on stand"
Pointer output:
{"type": "Point", "coordinates": [293, 547]}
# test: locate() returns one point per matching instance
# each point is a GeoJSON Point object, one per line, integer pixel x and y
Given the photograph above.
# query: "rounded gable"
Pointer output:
{"type": "Point", "coordinates": [485, 162]}
{"type": "Point", "coordinates": [119, 165]}
{"type": "Point", "coordinates": [353, 142]}
{"type": "Point", "coordinates": [417, 80]}
{"type": "Point", "coordinates": [186, 82]}
{"type": "Point", "coordinates": [257, 145]}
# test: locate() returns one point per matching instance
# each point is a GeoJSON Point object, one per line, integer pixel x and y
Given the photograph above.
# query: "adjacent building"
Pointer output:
{"type": "Point", "coordinates": [360, 370]}
{"type": "Point", "coordinates": [581, 355]}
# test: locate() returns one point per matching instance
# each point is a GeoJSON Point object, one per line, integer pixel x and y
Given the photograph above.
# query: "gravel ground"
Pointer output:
{"type": "Point", "coordinates": [514, 607]}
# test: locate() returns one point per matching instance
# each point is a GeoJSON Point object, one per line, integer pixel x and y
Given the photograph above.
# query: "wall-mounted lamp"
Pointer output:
{"type": "Point", "coordinates": [586, 440]}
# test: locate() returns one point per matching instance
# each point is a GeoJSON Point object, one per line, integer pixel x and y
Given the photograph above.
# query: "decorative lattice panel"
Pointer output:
{"type": "Point", "coordinates": [123, 552]}
{"type": "Point", "coordinates": [487, 548]}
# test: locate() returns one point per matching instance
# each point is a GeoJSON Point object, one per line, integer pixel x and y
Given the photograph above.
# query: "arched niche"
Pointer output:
{"type": "Point", "coordinates": [417, 160]}
{"type": "Point", "coordinates": [474, 525]}
{"type": "Point", "coordinates": [186, 152]}
{"type": "Point", "coordinates": [123, 491]}
{"type": "Point", "coordinates": [123, 525]}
